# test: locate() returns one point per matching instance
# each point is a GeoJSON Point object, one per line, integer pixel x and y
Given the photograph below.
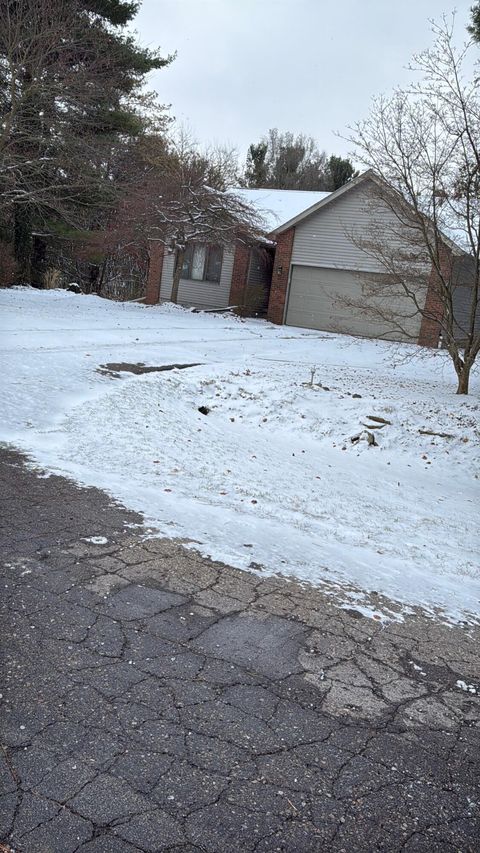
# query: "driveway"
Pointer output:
{"type": "Point", "coordinates": [153, 700]}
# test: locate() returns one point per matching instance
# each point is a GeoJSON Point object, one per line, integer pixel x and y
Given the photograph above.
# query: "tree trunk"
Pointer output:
{"type": "Point", "coordinates": [93, 278]}
{"type": "Point", "coordinates": [463, 379]}
{"type": "Point", "coordinates": [177, 274]}
{"type": "Point", "coordinates": [22, 237]}
{"type": "Point", "coordinates": [102, 274]}
{"type": "Point", "coordinates": [38, 265]}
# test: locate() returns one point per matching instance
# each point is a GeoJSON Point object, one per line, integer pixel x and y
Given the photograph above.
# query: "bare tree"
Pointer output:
{"type": "Point", "coordinates": [30, 43]}
{"type": "Point", "coordinates": [424, 145]}
{"type": "Point", "coordinates": [191, 200]}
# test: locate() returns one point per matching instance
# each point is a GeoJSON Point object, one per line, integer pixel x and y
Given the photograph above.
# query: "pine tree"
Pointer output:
{"type": "Point", "coordinates": [256, 172]}
{"type": "Point", "coordinates": [286, 161]}
{"type": "Point", "coordinates": [70, 96]}
{"type": "Point", "coordinates": [340, 172]}
{"type": "Point", "coordinates": [127, 65]}
{"type": "Point", "coordinates": [474, 27]}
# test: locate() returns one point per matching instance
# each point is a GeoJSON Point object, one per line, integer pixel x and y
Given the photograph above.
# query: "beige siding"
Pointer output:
{"type": "Point", "coordinates": [331, 283]}
{"type": "Point", "coordinates": [327, 238]}
{"type": "Point", "coordinates": [319, 299]}
{"type": "Point", "coordinates": [201, 294]}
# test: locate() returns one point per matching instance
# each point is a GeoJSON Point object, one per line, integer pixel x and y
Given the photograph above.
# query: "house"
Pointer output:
{"type": "Point", "coordinates": [238, 275]}
{"type": "Point", "coordinates": [464, 274]}
{"type": "Point", "coordinates": [322, 272]}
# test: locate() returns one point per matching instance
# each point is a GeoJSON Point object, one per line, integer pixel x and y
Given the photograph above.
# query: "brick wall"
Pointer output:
{"type": "Point", "coordinates": [241, 262]}
{"type": "Point", "coordinates": [154, 278]}
{"type": "Point", "coordinates": [281, 270]}
{"type": "Point", "coordinates": [433, 311]}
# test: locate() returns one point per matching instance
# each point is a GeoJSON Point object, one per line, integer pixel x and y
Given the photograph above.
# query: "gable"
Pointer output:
{"type": "Point", "coordinates": [328, 237]}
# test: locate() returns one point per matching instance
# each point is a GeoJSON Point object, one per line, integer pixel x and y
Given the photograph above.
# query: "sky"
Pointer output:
{"type": "Point", "coordinates": [309, 66]}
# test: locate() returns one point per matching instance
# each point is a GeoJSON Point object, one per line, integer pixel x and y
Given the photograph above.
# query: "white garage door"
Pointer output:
{"type": "Point", "coordinates": [318, 299]}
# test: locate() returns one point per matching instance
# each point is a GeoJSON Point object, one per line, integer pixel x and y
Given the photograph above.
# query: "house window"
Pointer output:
{"type": "Point", "coordinates": [202, 262]}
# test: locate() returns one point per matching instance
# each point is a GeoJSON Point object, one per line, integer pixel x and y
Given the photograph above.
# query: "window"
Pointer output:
{"type": "Point", "coordinates": [202, 262]}
{"type": "Point", "coordinates": [199, 256]}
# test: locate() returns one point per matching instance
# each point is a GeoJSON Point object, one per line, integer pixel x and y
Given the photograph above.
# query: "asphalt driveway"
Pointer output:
{"type": "Point", "coordinates": [152, 700]}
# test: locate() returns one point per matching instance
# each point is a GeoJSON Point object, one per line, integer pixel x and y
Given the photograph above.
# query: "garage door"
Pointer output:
{"type": "Point", "coordinates": [316, 301]}
{"type": "Point", "coordinates": [319, 297]}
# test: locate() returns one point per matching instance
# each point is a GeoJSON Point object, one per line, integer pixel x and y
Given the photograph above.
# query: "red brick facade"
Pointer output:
{"type": "Point", "coordinates": [433, 311]}
{"type": "Point", "coordinates": [154, 280]}
{"type": "Point", "coordinates": [281, 271]}
{"type": "Point", "coordinates": [239, 275]}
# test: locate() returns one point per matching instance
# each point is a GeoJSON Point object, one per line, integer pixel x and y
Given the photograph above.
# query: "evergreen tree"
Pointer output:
{"type": "Point", "coordinates": [285, 161]}
{"type": "Point", "coordinates": [474, 27]}
{"type": "Point", "coordinates": [256, 172]}
{"type": "Point", "coordinates": [340, 171]}
{"type": "Point", "coordinates": [70, 97]}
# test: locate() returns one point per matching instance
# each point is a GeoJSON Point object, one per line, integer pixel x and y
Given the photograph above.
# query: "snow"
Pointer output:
{"type": "Point", "coordinates": [467, 688]}
{"type": "Point", "coordinates": [278, 207]}
{"type": "Point", "coordinates": [268, 481]}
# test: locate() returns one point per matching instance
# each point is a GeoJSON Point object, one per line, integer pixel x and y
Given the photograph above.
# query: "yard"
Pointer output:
{"type": "Point", "coordinates": [266, 477]}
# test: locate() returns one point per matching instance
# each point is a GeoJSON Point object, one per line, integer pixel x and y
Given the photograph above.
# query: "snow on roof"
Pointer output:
{"type": "Point", "coordinates": [279, 206]}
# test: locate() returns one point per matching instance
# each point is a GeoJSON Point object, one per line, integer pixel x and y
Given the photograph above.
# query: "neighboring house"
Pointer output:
{"type": "Point", "coordinates": [320, 270]}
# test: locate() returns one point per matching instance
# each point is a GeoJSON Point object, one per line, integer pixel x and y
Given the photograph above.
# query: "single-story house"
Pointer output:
{"type": "Point", "coordinates": [239, 275]}
{"type": "Point", "coordinates": [320, 272]}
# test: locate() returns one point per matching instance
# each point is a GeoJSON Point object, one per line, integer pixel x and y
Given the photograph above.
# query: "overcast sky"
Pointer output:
{"type": "Point", "coordinates": [308, 66]}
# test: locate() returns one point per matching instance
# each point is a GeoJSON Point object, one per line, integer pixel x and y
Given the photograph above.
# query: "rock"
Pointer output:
{"type": "Point", "coordinates": [365, 435]}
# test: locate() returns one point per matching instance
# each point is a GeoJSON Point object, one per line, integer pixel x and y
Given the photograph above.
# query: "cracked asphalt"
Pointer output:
{"type": "Point", "coordinates": [152, 700]}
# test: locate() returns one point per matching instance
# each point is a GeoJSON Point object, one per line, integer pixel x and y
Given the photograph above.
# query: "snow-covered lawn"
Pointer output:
{"type": "Point", "coordinates": [269, 479]}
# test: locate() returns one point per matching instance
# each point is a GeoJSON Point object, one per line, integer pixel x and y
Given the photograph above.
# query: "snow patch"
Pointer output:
{"type": "Point", "coordinates": [468, 688]}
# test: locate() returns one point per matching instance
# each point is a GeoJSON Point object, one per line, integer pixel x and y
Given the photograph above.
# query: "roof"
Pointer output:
{"type": "Point", "coordinates": [281, 209]}
{"type": "Point", "coordinates": [280, 206]}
